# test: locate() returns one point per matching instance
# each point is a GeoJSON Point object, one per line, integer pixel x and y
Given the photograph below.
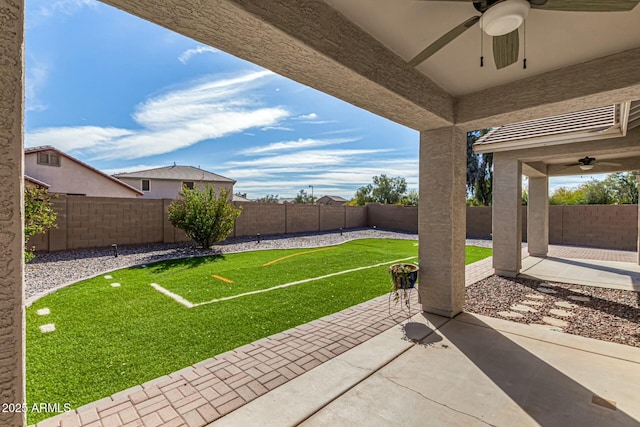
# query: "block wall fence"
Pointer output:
{"type": "Point", "coordinates": [91, 222]}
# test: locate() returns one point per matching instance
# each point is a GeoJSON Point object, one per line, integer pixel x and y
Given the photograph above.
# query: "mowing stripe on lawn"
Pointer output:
{"type": "Point", "coordinates": [296, 254]}
{"type": "Point", "coordinates": [189, 304]}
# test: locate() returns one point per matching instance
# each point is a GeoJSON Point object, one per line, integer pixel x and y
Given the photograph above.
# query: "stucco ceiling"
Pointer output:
{"type": "Point", "coordinates": [554, 40]}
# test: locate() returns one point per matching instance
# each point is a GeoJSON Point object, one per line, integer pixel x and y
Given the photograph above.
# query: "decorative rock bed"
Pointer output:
{"type": "Point", "coordinates": [604, 314]}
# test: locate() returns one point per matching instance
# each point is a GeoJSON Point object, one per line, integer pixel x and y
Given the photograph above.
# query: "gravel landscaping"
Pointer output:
{"type": "Point", "coordinates": [604, 314]}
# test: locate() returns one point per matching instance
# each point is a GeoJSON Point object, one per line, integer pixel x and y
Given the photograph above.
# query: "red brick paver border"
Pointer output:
{"type": "Point", "coordinates": [204, 392]}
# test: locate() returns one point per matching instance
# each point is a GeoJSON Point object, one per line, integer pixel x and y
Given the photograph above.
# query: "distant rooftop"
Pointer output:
{"type": "Point", "coordinates": [176, 172]}
{"type": "Point", "coordinates": [336, 198]}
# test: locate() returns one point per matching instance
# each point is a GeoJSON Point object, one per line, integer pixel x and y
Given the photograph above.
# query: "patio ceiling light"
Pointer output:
{"type": "Point", "coordinates": [586, 167]}
{"type": "Point", "coordinates": [504, 17]}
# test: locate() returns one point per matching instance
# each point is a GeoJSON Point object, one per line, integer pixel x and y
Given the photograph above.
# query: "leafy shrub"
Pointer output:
{"type": "Point", "coordinates": [205, 217]}
{"type": "Point", "coordinates": [39, 215]}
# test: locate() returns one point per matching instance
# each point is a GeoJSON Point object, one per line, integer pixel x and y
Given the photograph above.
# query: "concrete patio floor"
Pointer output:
{"type": "Point", "coordinates": [603, 274]}
{"type": "Point", "coordinates": [471, 370]}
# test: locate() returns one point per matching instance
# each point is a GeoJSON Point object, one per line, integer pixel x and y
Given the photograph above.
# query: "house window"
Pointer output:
{"type": "Point", "coordinates": [49, 159]}
{"type": "Point", "coordinates": [145, 185]}
{"type": "Point", "coordinates": [188, 184]}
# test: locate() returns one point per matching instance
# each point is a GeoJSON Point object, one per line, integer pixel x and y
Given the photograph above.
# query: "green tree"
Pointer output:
{"type": "Point", "coordinates": [269, 198]}
{"type": "Point", "coordinates": [303, 197]}
{"type": "Point", "coordinates": [383, 190]}
{"type": "Point", "coordinates": [363, 196]}
{"type": "Point", "coordinates": [566, 196]}
{"type": "Point", "coordinates": [595, 193]}
{"type": "Point", "coordinates": [479, 172]}
{"type": "Point", "coordinates": [412, 198]}
{"type": "Point", "coordinates": [204, 216]}
{"type": "Point", "coordinates": [623, 187]}
{"type": "Point", "coordinates": [39, 215]}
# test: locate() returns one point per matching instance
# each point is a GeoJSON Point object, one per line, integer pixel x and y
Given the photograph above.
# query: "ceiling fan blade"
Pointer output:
{"type": "Point", "coordinates": [608, 164]}
{"type": "Point", "coordinates": [443, 41]}
{"type": "Point", "coordinates": [506, 49]}
{"type": "Point", "coordinates": [587, 5]}
{"type": "Point", "coordinates": [573, 164]}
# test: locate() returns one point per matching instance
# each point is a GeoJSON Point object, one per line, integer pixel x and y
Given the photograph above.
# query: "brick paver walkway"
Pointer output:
{"type": "Point", "coordinates": [202, 393]}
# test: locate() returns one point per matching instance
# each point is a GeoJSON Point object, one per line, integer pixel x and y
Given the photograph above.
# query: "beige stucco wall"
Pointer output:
{"type": "Point", "coordinates": [170, 189]}
{"type": "Point", "coordinates": [73, 178]}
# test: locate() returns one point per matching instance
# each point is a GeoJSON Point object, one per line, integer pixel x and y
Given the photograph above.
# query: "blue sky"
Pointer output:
{"type": "Point", "coordinates": [123, 94]}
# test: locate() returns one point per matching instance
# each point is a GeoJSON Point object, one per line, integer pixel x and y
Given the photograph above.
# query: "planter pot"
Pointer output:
{"type": "Point", "coordinates": [404, 276]}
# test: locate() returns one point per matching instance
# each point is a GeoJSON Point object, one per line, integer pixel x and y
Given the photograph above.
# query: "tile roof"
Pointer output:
{"type": "Point", "coordinates": [596, 123]}
{"type": "Point", "coordinates": [176, 172]}
{"type": "Point", "coordinates": [36, 181]}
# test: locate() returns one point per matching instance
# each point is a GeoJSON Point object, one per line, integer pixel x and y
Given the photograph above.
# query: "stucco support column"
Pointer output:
{"type": "Point", "coordinates": [12, 361]}
{"type": "Point", "coordinates": [442, 220]}
{"type": "Point", "coordinates": [538, 216]}
{"type": "Point", "coordinates": [507, 215]}
{"type": "Point", "coordinates": [638, 184]}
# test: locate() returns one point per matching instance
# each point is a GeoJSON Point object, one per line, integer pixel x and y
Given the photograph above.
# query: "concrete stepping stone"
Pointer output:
{"type": "Point", "coordinates": [554, 322]}
{"type": "Point", "coordinates": [115, 285]}
{"type": "Point", "coordinates": [510, 314]}
{"type": "Point", "coordinates": [520, 307]}
{"type": "Point", "coordinates": [43, 312]}
{"type": "Point", "coordinates": [534, 296]}
{"type": "Point", "coordinates": [108, 276]}
{"type": "Point", "coordinates": [577, 298]}
{"type": "Point", "coordinates": [546, 290]}
{"type": "Point", "coordinates": [50, 327]}
{"type": "Point", "coordinates": [565, 304]}
{"type": "Point", "coordinates": [561, 313]}
{"type": "Point", "coordinates": [534, 303]}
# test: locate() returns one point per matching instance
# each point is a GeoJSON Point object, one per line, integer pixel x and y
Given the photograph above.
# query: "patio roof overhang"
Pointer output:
{"type": "Point", "coordinates": [548, 146]}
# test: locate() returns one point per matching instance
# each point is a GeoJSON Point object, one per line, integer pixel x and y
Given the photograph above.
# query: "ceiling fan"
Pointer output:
{"type": "Point", "coordinates": [587, 163]}
{"type": "Point", "coordinates": [502, 18]}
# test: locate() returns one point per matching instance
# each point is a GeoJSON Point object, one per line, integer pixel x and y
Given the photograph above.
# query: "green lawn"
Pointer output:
{"type": "Point", "coordinates": [108, 339]}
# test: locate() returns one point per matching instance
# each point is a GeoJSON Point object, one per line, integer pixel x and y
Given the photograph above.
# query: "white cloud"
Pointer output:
{"type": "Point", "coordinates": [282, 128]}
{"type": "Point", "coordinates": [189, 53]}
{"type": "Point", "coordinates": [320, 158]}
{"type": "Point", "coordinates": [50, 8]}
{"type": "Point", "coordinates": [311, 116]}
{"type": "Point", "coordinates": [295, 145]}
{"type": "Point", "coordinates": [36, 77]}
{"type": "Point", "coordinates": [174, 120]}
{"type": "Point", "coordinates": [75, 138]}
{"type": "Point", "coordinates": [572, 182]}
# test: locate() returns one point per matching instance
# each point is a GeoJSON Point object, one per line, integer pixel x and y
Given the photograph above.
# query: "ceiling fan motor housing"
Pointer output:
{"type": "Point", "coordinates": [504, 17]}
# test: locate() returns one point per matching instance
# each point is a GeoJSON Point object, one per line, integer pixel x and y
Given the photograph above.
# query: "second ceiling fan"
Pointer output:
{"type": "Point", "coordinates": [502, 18]}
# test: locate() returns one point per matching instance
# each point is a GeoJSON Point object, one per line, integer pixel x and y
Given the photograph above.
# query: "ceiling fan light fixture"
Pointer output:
{"type": "Point", "coordinates": [586, 167]}
{"type": "Point", "coordinates": [504, 17]}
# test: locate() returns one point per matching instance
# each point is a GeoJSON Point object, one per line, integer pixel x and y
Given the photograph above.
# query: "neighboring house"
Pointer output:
{"type": "Point", "coordinates": [331, 200]}
{"type": "Point", "coordinates": [167, 182]}
{"type": "Point", "coordinates": [65, 174]}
